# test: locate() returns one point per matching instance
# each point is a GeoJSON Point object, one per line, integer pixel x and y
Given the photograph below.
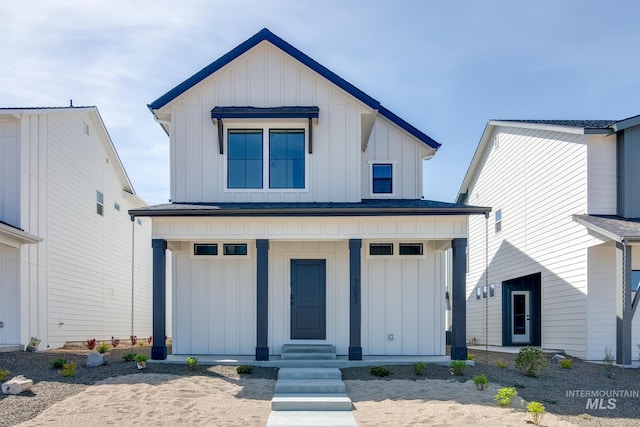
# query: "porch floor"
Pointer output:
{"type": "Point", "coordinates": [277, 362]}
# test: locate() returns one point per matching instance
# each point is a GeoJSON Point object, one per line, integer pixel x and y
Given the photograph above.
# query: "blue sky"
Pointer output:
{"type": "Point", "coordinates": [446, 66]}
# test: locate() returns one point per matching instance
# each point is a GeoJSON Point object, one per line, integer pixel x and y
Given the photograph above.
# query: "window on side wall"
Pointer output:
{"type": "Point", "coordinates": [498, 220]}
{"type": "Point", "coordinates": [382, 177]}
{"type": "Point", "coordinates": [99, 203]}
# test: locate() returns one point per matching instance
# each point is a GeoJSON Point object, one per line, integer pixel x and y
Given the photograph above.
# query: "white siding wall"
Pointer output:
{"type": "Point", "coordinates": [10, 172]}
{"type": "Point", "coordinates": [9, 294]}
{"type": "Point", "coordinates": [214, 300]}
{"type": "Point", "coordinates": [538, 179]}
{"type": "Point", "coordinates": [403, 297]}
{"type": "Point", "coordinates": [79, 277]}
{"type": "Point", "coordinates": [265, 77]}
{"type": "Point", "coordinates": [602, 185]}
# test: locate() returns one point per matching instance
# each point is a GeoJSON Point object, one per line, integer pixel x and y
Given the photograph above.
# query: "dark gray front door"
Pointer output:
{"type": "Point", "coordinates": [308, 299]}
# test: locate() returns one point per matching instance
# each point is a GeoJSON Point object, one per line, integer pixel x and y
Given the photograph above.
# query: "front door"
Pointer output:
{"type": "Point", "coordinates": [520, 317]}
{"type": "Point", "coordinates": [308, 299]}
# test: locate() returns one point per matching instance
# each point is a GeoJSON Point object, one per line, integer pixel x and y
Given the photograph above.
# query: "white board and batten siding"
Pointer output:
{"type": "Point", "coordinates": [10, 171]}
{"type": "Point", "coordinates": [79, 277]}
{"type": "Point", "coordinates": [602, 177]}
{"type": "Point", "coordinates": [264, 76]}
{"type": "Point", "coordinates": [538, 179]}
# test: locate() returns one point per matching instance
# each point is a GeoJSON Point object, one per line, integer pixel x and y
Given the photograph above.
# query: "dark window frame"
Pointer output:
{"type": "Point", "coordinates": [380, 246]}
{"type": "Point", "coordinates": [290, 161]}
{"type": "Point", "coordinates": [409, 249]}
{"type": "Point", "coordinates": [213, 246]}
{"type": "Point", "coordinates": [226, 249]}
{"type": "Point", "coordinates": [247, 162]}
{"type": "Point", "coordinates": [379, 181]}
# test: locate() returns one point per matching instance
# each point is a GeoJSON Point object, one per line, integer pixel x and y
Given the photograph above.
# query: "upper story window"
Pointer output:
{"type": "Point", "coordinates": [99, 203]}
{"type": "Point", "coordinates": [244, 161]}
{"type": "Point", "coordinates": [286, 158]}
{"type": "Point", "coordinates": [498, 220]}
{"type": "Point", "coordinates": [382, 177]}
{"type": "Point", "coordinates": [635, 280]}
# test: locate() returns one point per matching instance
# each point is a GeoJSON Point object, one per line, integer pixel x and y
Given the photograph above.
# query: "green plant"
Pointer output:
{"type": "Point", "coordinates": [471, 356]}
{"type": "Point", "coordinates": [140, 358]}
{"type": "Point", "coordinates": [566, 363]}
{"type": "Point", "coordinates": [500, 364]}
{"type": "Point", "coordinates": [244, 369]}
{"type": "Point", "coordinates": [192, 363]}
{"type": "Point", "coordinates": [68, 369]}
{"type": "Point", "coordinates": [129, 357]}
{"type": "Point", "coordinates": [458, 367]}
{"type": "Point", "coordinates": [419, 367]}
{"type": "Point", "coordinates": [481, 382]}
{"type": "Point", "coordinates": [608, 362]}
{"type": "Point", "coordinates": [3, 374]}
{"type": "Point", "coordinates": [537, 410]}
{"type": "Point", "coordinates": [90, 343]}
{"type": "Point", "coordinates": [57, 363]}
{"type": "Point", "coordinates": [102, 348]}
{"type": "Point", "coordinates": [531, 361]}
{"type": "Point", "coordinates": [379, 371]}
{"type": "Point", "coordinates": [505, 396]}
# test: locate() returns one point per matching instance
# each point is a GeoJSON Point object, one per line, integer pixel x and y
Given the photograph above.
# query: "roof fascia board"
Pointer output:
{"type": "Point", "coordinates": [626, 123]}
{"type": "Point", "coordinates": [599, 230]}
{"type": "Point", "coordinates": [475, 161]}
{"type": "Point", "coordinates": [409, 128]}
{"type": "Point", "coordinates": [15, 237]}
{"type": "Point", "coordinates": [539, 126]}
{"type": "Point", "coordinates": [465, 211]}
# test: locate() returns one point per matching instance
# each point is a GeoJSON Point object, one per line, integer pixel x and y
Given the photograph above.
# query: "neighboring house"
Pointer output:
{"type": "Point", "coordinates": [65, 234]}
{"type": "Point", "coordinates": [296, 216]}
{"type": "Point", "coordinates": [562, 260]}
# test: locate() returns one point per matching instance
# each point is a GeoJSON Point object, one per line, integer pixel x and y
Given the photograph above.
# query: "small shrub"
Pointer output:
{"type": "Point", "coordinates": [139, 358]}
{"type": "Point", "coordinates": [57, 363]}
{"type": "Point", "coordinates": [129, 357]}
{"type": "Point", "coordinates": [134, 339]}
{"type": "Point", "coordinates": [537, 410]}
{"type": "Point", "coordinates": [505, 396]}
{"type": "Point", "coordinates": [530, 360]}
{"type": "Point", "coordinates": [3, 374]}
{"type": "Point", "coordinates": [192, 363]}
{"type": "Point", "coordinates": [481, 382]}
{"type": "Point", "coordinates": [379, 371]}
{"type": "Point", "coordinates": [103, 347]}
{"type": "Point", "coordinates": [459, 367]}
{"type": "Point", "coordinates": [471, 356]}
{"type": "Point", "coordinates": [244, 369]}
{"type": "Point", "coordinates": [90, 343]}
{"type": "Point", "coordinates": [608, 362]}
{"type": "Point", "coordinates": [500, 364]}
{"type": "Point", "coordinates": [115, 342]}
{"type": "Point", "coordinates": [419, 367]}
{"type": "Point", "coordinates": [566, 363]}
{"type": "Point", "coordinates": [68, 369]}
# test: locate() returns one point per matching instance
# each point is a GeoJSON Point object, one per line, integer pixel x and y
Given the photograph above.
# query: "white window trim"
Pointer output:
{"type": "Point", "coordinates": [265, 126]}
{"type": "Point", "coordinates": [427, 247]}
{"type": "Point", "coordinates": [394, 181]}
{"type": "Point", "coordinates": [496, 222]}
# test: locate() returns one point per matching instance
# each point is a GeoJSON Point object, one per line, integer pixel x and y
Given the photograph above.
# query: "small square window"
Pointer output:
{"type": "Point", "coordinates": [205, 249]}
{"type": "Point", "coordinates": [99, 203]}
{"type": "Point", "coordinates": [381, 249]}
{"type": "Point", "coordinates": [484, 291]}
{"type": "Point", "coordinates": [139, 221]}
{"type": "Point", "coordinates": [116, 206]}
{"type": "Point", "coordinates": [410, 248]}
{"type": "Point", "coordinates": [492, 290]}
{"type": "Point", "coordinates": [235, 248]}
{"type": "Point", "coordinates": [498, 220]}
{"type": "Point", "coordinates": [382, 178]}
{"type": "Point", "coordinates": [478, 293]}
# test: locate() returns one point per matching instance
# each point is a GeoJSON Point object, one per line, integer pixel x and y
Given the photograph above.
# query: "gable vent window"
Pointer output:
{"type": "Point", "coordinates": [410, 248]}
{"type": "Point", "coordinates": [381, 249]}
{"type": "Point", "coordinates": [235, 248]}
{"type": "Point", "coordinates": [99, 203]}
{"type": "Point", "coordinates": [382, 178]}
{"type": "Point", "coordinates": [498, 220]}
{"type": "Point", "coordinates": [205, 249]}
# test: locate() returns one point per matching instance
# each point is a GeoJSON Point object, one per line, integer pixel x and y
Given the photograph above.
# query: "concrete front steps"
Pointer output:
{"type": "Point", "coordinates": [310, 397]}
{"type": "Point", "coordinates": [308, 352]}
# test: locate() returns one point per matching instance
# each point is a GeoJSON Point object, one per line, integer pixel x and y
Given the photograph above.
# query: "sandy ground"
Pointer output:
{"type": "Point", "coordinates": [169, 400]}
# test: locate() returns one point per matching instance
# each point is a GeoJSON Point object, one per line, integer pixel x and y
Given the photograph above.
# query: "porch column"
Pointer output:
{"type": "Point", "coordinates": [159, 347]}
{"type": "Point", "coordinates": [355, 306]}
{"type": "Point", "coordinates": [459, 300]}
{"type": "Point", "coordinates": [262, 297]}
{"type": "Point", "coordinates": [623, 304]}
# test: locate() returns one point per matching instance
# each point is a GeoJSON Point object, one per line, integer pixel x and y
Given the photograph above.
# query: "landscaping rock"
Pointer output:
{"type": "Point", "coordinates": [557, 358]}
{"type": "Point", "coordinates": [96, 359]}
{"type": "Point", "coordinates": [17, 385]}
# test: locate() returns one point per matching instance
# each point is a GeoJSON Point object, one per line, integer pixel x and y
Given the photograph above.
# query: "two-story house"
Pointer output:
{"type": "Point", "coordinates": [297, 216]}
{"type": "Point", "coordinates": [562, 267]}
{"type": "Point", "coordinates": [65, 234]}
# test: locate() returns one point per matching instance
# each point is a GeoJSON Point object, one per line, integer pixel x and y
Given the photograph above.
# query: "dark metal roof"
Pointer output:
{"type": "Point", "coordinates": [586, 124]}
{"type": "Point", "coordinates": [266, 35]}
{"type": "Point", "coordinates": [613, 227]}
{"type": "Point", "coordinates": [368, 207]}
{"type": "Point", "coordinates": [269, 112]}
{"type": "Point", "coordinates": [12, 226]}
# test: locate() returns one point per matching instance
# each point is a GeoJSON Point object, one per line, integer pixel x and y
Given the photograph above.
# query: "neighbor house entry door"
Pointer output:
{"type": "Point", "coordinates": [520, 306]}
